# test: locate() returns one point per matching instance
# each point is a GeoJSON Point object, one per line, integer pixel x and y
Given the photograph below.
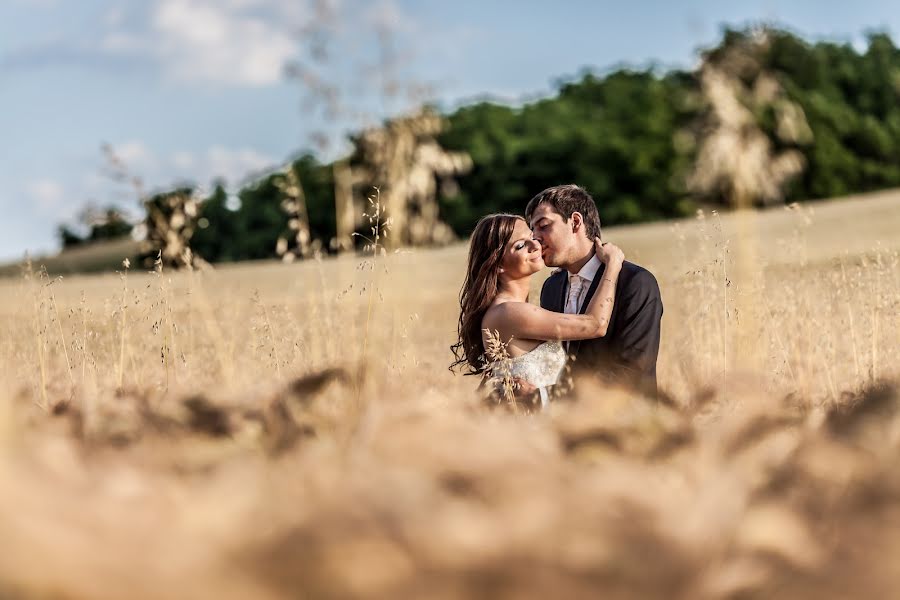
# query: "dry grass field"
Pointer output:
{"type": "Point", "coordinates": [292, 431]}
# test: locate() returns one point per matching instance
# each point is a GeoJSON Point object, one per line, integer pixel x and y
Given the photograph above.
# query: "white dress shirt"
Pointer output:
{"type": "Point", "coordinates": [579, 284]}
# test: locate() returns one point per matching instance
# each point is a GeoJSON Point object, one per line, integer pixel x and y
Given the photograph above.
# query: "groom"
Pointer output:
{"type": "Point", "coordinates": [565, 221]}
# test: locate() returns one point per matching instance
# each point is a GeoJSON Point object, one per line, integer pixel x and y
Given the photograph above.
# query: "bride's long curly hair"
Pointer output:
{"type": "Point", "coordinates": [482, 283]}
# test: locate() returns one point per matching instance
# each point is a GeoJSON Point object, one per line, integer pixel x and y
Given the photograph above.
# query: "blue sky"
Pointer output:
{"type": "Point", "coordinates": [191, 90]}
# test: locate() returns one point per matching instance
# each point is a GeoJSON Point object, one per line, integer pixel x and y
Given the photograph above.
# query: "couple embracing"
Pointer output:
{"type": "Point", "coordinates": [597, 310]}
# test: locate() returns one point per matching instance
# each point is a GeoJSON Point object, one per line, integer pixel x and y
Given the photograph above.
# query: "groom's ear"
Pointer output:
{"type": "Point", "coordinates": [577, 221]}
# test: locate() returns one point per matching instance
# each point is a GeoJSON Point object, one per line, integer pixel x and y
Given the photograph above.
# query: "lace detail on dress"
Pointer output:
{"type": "Point", "coordinates": [541, 366]}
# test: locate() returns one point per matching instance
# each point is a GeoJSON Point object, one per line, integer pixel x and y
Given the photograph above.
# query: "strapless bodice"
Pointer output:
{"type": "Point", "coordinates": [540, 366]}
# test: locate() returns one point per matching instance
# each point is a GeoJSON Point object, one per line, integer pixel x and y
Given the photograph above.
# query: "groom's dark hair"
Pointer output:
{"type": "Point", "coordinates": [565, 200]}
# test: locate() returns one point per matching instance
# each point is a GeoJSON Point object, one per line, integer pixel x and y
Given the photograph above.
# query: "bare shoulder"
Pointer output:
{"type": "Point", "coordinates": [501, 314]}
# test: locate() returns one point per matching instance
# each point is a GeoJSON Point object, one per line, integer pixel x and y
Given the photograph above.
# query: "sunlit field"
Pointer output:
{"type": "Point", "coordinates": [282, 431]}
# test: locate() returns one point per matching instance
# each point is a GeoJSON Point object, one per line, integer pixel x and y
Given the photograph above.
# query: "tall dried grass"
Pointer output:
{"type": "Point", "coordinates": [236, 452]}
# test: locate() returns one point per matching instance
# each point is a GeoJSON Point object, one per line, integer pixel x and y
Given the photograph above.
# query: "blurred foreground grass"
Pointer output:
{"type": "Point", "coordinates": [283, 431]}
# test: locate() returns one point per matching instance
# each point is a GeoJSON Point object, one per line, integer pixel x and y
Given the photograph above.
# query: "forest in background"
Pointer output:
{"type": "Point", "coordinates": [634, 138]}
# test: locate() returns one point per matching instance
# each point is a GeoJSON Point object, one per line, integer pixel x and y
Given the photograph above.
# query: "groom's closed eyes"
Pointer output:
{"type": "Point", "coordinates": [540, 225]}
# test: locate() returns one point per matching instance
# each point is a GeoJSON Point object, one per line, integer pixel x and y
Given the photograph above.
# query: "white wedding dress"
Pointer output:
{"type": "Point", "coordinates": [541, 367]}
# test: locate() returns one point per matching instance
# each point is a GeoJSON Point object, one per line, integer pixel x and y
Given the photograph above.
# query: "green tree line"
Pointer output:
{"type": "Point", "coordinates": [625, 135]}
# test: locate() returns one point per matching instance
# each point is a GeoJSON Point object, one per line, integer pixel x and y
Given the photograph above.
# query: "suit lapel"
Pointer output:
{"type": "Point", "coordinates": [561, 294]}
{"type": "Point", "coordinates": [556, 295]}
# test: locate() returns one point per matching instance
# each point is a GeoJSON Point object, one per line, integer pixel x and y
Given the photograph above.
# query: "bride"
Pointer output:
{"type": "Point", "coordinates": [494, 298]}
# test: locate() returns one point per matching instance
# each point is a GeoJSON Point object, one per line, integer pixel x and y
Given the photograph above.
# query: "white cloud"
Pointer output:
{"type": "Point", "coordinates": [183, 160]}
{"type": "Point", "coordinates": [216, 162]}
{"type": "Point", "coordinates": [114, 16]}
{"type": "Point", "coordinates": [225, 42]}
{"type": "Point", "coordinates": [229, 42]}
{"type": "Point", "coordinates": [38, 3]}
{"type": "Point", "coordinates": [134, 154]}
{"type": "Point", "coordinates": [122, 42]}
{"type": "Point", "coordinates": [235, 164]}
{"type": "Point", "coordinates": [388, 16]}
{"type": "Point", "coordinates": [232, 42]}
{"type": "Point", "coordinates": [48, 195]}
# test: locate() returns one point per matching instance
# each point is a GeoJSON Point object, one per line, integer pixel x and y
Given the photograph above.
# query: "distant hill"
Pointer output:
{"type": "Point", "coordinates": [90, 258]}
{"type": "Point", "coordinates": [854, 224]}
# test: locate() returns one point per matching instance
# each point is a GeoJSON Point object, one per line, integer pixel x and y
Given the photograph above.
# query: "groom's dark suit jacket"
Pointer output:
{"type": "Point", "coordinates": [627, 354]}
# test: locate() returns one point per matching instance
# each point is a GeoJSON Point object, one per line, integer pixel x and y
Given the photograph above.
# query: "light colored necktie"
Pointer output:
{"type": "Point", "coordinates": [575, 284]}
{"type": "Point", "coordinates": [575, 287]}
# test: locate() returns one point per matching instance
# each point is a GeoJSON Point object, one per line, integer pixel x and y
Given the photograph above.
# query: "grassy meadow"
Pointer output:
{"type": "Point", "coordinates": [279, 431]}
